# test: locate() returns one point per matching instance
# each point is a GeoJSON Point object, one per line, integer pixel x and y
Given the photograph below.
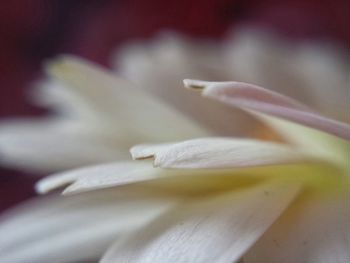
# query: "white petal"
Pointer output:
{"type": "Point", "coordinates": [212, 229]}
{"type": "Point", "coordinates": [259, 100]}
{"type": "Point", "coordinates": [100, 176]}
{"type": "Point", "coordinates": [51, 145]}
{"type": "Point", "coordinates": [116, 100]}
{"type": "Point", "coordinates": [139, 175]}
{"type": "Point", "coordinates": [256, 56]}
{"type": "Point", "coordinates": [159, 68]}
{"type": "Point", "coordinates": [304, 72]}
{"type": "Point", "coordinates": [312, 141]}
{"type": "Point", "coordinates": [219, 153]}
{"type": "Point", "coordinates": [316, 231]}
{"type": "Point", "coordinates": [323, 67]}
{"type": "Point", "coordinates": [62, 99]}
{"type": "Point", "coordinates": [67, 229]}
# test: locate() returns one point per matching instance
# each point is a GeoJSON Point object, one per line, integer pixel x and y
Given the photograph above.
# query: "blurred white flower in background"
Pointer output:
{"type": "Point", "coordinates": [278, 195]}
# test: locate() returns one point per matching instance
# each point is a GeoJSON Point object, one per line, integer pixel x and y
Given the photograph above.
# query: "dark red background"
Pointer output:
{"type": "Point", "coordinates": [32, 30]}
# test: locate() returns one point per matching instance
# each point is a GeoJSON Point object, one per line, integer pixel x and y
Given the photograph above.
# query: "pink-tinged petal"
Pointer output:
{"type": "Point", "coordinates": [76, 228]}
{"type": "Point", "coordinates": [204, 230]}
{"type": "Point", "coordinates": [314, 230]}
{"type": "Point", "coordinates": [219, 153]}
{"type": "Point", "coordinates": [258, 100]}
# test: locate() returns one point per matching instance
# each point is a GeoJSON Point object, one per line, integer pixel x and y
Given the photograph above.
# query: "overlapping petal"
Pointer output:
{"type": "Point", "coordinates": [159, 67]}
{"type": "Point", "coordinates": [97, 118]}
{"type": "Point", "coordinates": [57, 229]}
{"type": "Point", "coordinates": [100, 176]}
{"type": "Point", "coordinates": [128, 107]}
{"type": "Point", "coordinates": [314, 230]}
{"type": "Point", "coordinates": [141, 175]}
{"type": "Point", "coordinates": [262, 101]}
{"type": "Point", "coordinates": [219, 153]}
{"type": "Point", "coordinates": [209, 229]}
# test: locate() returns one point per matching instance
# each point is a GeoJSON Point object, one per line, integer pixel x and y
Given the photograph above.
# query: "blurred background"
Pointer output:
{"type": "Point", "coordinates": [34, 30]}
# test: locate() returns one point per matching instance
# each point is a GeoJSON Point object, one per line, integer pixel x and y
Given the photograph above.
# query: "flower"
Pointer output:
{"type": "Point", "coordinates": [89, 136]}
{"type": "Point", "coordinates": [240, 197]}
{"type": "Point", "coordinates": [212, 199]}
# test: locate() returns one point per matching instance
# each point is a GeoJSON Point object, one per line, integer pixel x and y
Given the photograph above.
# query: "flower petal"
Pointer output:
{"type": "Point", "coordinates": [219, 153]}
{"type": "Point", "coordinates": [46, 229]}
{"type": "Point", "coordinates": [213, 229]}
{"type": "Point", "coordinates": [116, 100]}
{"type": "Point", "coordinates": [62, 100]}
{"type": "Point", "coordinates": [261, 101]}
{"type": "Point", "coordinates": [100, 176]}
{"type": "Point", "coordinates": [316, 230]}
{"type": "Point", "coordinates": [51, 145]}
{"type": "Point", "coordinates": [159, 66]}
{"type": "Point", "coordinates": [312, 141]}
{"type": "Point", "coordinates": [136, 175]}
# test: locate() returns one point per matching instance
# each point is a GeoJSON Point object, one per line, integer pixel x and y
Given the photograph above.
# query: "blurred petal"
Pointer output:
{"type": "Point", "coordinates": [61, 99]}
{"type": "Point", "coordinates": [325, 70]}
{"type": "Point", "coordinates": [51, 145]}
{"type": "Point", "coordinates": [219, 153]}
{"type": "Point", "coordinates": [316, 230]}
{"type": "Point", "coordinates": [215, 229]}
{"type": "Point", "coordinates": [46, 229]}
{"type": "Point", "coordinates": [303, 71]}
{"type": "Point", "coordinates": [116, 100]}
{"type": "Point", "coordinates": [159, 66]}
{"type": "Point", "coordinates": [257, 56]}
{"type": "Point", "coordinates": [261, 101]}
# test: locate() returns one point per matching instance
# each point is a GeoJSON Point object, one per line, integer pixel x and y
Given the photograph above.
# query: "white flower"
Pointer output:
{"type": "Point", "coordinates": [213, 199]}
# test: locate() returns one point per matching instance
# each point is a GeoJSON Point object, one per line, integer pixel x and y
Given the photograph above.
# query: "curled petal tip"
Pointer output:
{"type": "Point", "coordinates": [195, 84]}
{"type": "Point", "coordinates": [136, 154]}
{"type": "Point", "coordinates": [141, 152]}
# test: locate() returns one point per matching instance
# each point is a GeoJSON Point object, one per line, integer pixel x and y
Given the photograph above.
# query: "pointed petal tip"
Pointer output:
{"type": "Point", "coordinates": [52, 183]}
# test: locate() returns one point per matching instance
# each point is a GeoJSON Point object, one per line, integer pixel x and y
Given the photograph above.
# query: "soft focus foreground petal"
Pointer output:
{"type": "Point", "coordinates": [316, 230]}
{"type": "Point", "coordinates": [219, 153]}
{"type": "Point", "coordinates": [75, 228]}
{"type": "Point", "coordinates": [51, 145]}
{"type": "Point", "coordinates": [160, 65]}
{"type": "Point", "coordinates": [118, 101]}
{"type": "Point", "coordinates": [215, 229]}
{"type": "Point", "coordinates": [261, 101]}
